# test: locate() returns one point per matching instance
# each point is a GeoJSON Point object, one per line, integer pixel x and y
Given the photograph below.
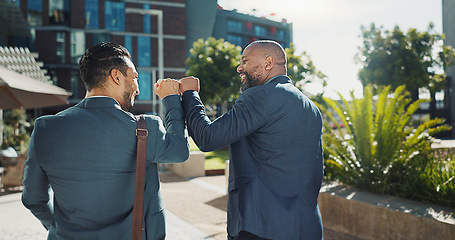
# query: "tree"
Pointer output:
{"type": "Point", "coordinates": [394, 58]}
{"type": "Point", "coordinates": [214, 62]}
{"type": "Point", "coordinates": [302, 70]}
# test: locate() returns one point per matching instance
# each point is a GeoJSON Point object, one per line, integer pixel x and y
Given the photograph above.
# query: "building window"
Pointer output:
{"type": "Point", "coordinates": [59, 11]}
{"type": "Point", "coordinates": [145, 86]}
{"type": "Point", "coordinates": [439, 98]}
{"type": "Point", "coordinates": [101, 37]}
{"type": "Point", "coordinates": [129, 44]}
{"type": "Point", "coordinates": [54, 77]}
{"type": "Point", "coordinates": [281, 34]}
{"type": "Point", "coordinates": [35, 8]}
{"type": "Point", "coordinates": [234, 39]}
{"type": "Point", "coordinates": [424, 93]}
{"type": "Point", "coordinates": [147, 20]}
{"type": "Point", "coordinates": [115, 15]}
{"type": "Point", "coordinates": [234, 26]}
{"type": "Point", "coordinates": [260, 31]}
{"type": "Point", "coordinates": [77, 45]}
{"type": "Point", "coordinates": [60, 47]}
{"type": "Point", "coordinates": [91, 14]}
{"type": "Point", "coordinates": [74, 84]}
{"type": "Point", "coordinates": [143, 51]}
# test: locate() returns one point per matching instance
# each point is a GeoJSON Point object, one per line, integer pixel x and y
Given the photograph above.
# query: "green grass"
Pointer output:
{"type": "Point", "coordinates": [216, 159]}
{"type": "Point", "coordinates": [213, 160]}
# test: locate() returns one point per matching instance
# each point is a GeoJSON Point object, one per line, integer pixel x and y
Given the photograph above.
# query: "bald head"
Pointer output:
{"type": "Point", "coordinates": [269, 48]}
{"type": "Point", "coordinates": [260, 61]}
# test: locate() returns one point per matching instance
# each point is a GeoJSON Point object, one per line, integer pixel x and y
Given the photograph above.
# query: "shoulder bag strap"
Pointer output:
{"type": "Point", "coordinates": [138, 209]}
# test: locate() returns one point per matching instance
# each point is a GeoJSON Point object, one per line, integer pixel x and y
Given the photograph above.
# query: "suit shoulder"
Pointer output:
{"type": "Point", "coordinates": [152, 119]}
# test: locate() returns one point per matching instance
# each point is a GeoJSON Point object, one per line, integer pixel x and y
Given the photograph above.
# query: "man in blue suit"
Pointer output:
{"type": "Point", "coordinates": [274, 133]}
{"type": "Point", "coordinates": [87, 154]}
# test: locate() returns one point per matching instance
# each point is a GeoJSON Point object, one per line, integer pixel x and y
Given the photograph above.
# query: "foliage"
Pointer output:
{"type": "Point", "coordinates": [301, 69]}
{"type": "Point", "coordinates": [215, 62]}
{"type": "Point", "coordinates": [394, 58]}
{"type": "Point", "coordinates": [379, 151]}
{"type": "Point", "coordinates": [16, 130]}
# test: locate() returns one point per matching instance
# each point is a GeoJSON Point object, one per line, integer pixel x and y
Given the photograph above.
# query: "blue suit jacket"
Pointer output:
{"type": "Point", "coordinates": [276, 163]}
{"type": "Point", "coordinates": [87, 154]}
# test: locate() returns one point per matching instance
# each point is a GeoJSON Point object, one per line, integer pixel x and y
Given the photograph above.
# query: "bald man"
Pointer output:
{"type": "Point", "coordinates": [274, 134]}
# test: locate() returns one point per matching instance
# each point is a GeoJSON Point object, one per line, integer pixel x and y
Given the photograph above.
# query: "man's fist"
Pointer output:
{"type": "Point", "coordinates": [189, 83]}
{"type": "Point", "coordinates": [165, 87]}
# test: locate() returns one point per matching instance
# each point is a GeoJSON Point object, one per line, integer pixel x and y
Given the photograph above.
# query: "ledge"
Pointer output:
{"type": "Point", "coordinates": [356, 214]}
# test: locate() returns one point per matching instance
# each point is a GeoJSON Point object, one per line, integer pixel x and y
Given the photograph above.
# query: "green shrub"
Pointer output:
{"type": "Point", "coordinates": [378, 150]}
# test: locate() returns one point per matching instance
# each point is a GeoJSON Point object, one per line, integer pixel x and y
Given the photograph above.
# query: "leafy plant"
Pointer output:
{"type": "Point", "coordinates": [378, 150]}
{"type": "Point", "coordinates": [16, 130]}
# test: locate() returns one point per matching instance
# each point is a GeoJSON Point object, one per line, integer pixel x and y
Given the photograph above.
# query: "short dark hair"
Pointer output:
{"type": "Point", "coordinates": [98, 61]}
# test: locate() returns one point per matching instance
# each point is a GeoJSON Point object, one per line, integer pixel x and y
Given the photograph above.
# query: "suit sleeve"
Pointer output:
{"type": "Point", "coordinates": [171, 139]}
{"type": "Point", "coordinates": [248, 114]}
{"type": "Point", "coordinates": [35, 195]}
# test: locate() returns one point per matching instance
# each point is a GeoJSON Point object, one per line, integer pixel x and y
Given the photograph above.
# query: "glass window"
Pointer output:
{"type": "Point", "coordinates": [35, 5]}
{"type": "Point", "coordinates": [424, 93]}
{"type": "Point", "coordinates": [54, 77]}
{"type": "Point", "coordinates": [60, 47]}
{"type": "Point", "coordinates": [35, 8]}
{"type": "Point", "coordinates": [77, 45]}
{"type": "Point", "coordinates": [115, 15]}
{"type": "Point", "coordinates": [144, 51]}
{"type": "Point", "coordinates": [281, 34]}
{"type": "Point", "coordinates": [145, 86]}
{"type": "Point", "coordinates": [147, 20]}
{"type": "Point", "coordinates": [129, 44]}
{"type": "Point", "coordinates": [234, 26]}
{"type": "Point", "coordinates": [74, 78]}
{"type": "Point", "coordinates": [234, 39]}
{"type": "Point", "coordinates": [260, 31]}
{"type": "Point", "coordinates": [439, 98]}
{"type": "Point", "coordinates": [59, 11]}
{"type": "Point", "coordinates": [91, 14]}
{"type": "Point", "coordinates": [101, 37]}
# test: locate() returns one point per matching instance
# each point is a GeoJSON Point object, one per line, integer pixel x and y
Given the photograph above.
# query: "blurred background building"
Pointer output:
{"type": "Point", "coordinates": [208, 19]}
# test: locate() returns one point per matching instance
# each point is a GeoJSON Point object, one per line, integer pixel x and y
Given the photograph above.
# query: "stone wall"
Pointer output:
{"type": "Point", "coordinates": [355, 215]}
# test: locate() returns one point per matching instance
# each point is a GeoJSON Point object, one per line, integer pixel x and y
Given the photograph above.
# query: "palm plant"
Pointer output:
{"type": "Point", "coordinates": [378, 143]}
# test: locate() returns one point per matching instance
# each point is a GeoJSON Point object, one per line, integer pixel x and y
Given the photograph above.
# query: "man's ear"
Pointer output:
{"type": "Point", "coordinates": [115, 76]}
{"type": "Point", "coordinates": [268, 62]}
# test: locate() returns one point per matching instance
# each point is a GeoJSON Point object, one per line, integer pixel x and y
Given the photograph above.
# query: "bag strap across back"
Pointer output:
{"type": "Point", "coordinates": [138, 208]}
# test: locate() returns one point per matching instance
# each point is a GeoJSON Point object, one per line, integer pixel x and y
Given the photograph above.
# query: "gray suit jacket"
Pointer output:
{"type": "Point", "coordinates": [276, 163]}
{"type": "Point", "coordinates": [87, 155]}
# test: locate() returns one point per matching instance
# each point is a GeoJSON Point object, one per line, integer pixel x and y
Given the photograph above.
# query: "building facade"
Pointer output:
{"type": "Point", "coordinates": [153, 31]}
{"type": "Point", "coordinates": [207, 19]}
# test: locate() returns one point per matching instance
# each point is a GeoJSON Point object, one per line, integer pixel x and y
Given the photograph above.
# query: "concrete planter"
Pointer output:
{"type": "Point", "coordinates": [193, 167]}
{"type": "Point", "coordinates": [351, 214]}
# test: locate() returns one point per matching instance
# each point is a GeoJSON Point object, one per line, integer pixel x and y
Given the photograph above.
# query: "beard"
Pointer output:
{"type": "Point", "coordinates": [250, 81]}
{"type": "Point", "coordinates": [128, 101]}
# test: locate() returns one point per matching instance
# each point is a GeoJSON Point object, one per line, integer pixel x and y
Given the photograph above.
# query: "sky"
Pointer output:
{"type": "Point", "coordinates": [329, 30]}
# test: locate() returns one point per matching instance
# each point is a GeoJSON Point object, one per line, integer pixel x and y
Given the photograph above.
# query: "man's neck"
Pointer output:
{"type": "Point", "coordinates": [98, 92]}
